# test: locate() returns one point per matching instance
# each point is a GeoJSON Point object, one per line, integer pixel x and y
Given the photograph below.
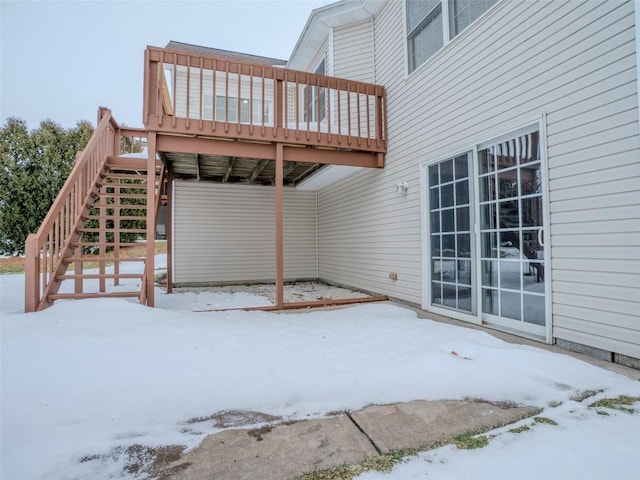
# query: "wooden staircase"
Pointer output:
{"type": "Point", "coordinates": [104, 207]}
{"type": "Point", "coordinates": [116, 220]}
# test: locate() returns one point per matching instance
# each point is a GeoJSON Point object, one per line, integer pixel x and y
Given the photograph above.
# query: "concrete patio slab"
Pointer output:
{"type": "Point", "coordinates": [279, 452]}
{"type": "Point", "coordinates": [287, 450]}
{"type": "Point", "coordinates": [423, 423]}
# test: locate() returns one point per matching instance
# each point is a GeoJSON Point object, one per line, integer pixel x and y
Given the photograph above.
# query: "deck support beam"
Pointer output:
{"type": "Point", "coordinates": [214, 146]}
{"type": "Point", "coordinates": [229, 169]}
{"type": "Point", "coordinates": [279, 226]}
{"type": "Point", "coordinates": [290, 167]}
{"type": "Point", "coordinates": [260, 166]}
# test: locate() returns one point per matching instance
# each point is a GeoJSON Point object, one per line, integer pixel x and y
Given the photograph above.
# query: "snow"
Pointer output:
{"type": "Point", "coordinates": [584, 445]}
{"type": "Point", "coordinates": [84, 377]}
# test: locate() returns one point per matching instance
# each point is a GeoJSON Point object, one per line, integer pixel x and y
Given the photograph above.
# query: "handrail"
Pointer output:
{"type": "Point", "coordinates": [46, 250]}
{"type": "Point", "coordinates": [187, 93]}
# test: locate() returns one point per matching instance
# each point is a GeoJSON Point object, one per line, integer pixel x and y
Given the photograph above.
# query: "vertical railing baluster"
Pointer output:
{"type": "Point", "coordinates": [263, 102]}
{"type": "Point", "coordinates": [327, 107]}
{"type": "Point", "coordinates": [161, 83]}
{"type": "Point", "coordinates": [174, 88]}
{"type": "Point", "coordinates": [201, 95]}
{"type": "Point", "coordinates": [378, 119]}
{"type": "Point", "coordinates": [349, 112]}
{"type": "Point", "coordinates": [359, 114]}
{"type": "Point", "coordinates": [297, 95]}
{"type": "Point", "coordinates": [307, 104]}
{"type": "Point", "coordinates": [285, 114]}
{"type": "Point", "coordinates": [214, 98]}
{"type": "Point", "coordinates": [317, 102]}
{"type": "Point", "coordinates": [226, 96]}
{"type": "Point", "coordinates": [188, 90]}
{"type": "Point", "coordinates": [339, 111]}
{"type": "Point", "coordinates": [239, 103]}
{"type": "Point", "coordinates": [367, 97]}
{"type": "Point", "coordinates": [251, 100]}
{"type": "Point", "coordinates": [277, 103]}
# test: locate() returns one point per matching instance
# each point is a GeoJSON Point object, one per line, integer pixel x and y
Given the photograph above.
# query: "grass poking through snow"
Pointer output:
{"type": "Point", "coordinates": [624, 403]}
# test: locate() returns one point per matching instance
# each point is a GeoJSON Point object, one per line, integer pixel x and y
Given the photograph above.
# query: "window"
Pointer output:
{"type": "Point", "coordinates": [463, 13]}
{"type": "Point", "coordinates": [245, 111]}
{"type": "Point", "coordinates": [315, 108]}
{"type": "Point", "coordinates": [424, 23]}
{"type": "Point", "coordinates": [427, 28]}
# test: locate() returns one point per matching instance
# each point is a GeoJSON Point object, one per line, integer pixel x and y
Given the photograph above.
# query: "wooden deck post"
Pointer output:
{"type": "Point", "coordinates": [151, 220]}
{"type": "Point", "coordinates": [31, 274]}
{"type": "Point", "coordinates": [116, 230]}
{"type": "Point", "coordinates": [169, 229]}
{"type": "Point", "coordinates": [102, 237]}
{"type": "Point", "coordinates": [78, 284]}
{"type": "Point", "coordinates": [279, 227]}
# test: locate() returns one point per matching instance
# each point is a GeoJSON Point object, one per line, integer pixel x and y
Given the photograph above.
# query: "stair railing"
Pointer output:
{"type": "Point", "coordinates": [46, 250]}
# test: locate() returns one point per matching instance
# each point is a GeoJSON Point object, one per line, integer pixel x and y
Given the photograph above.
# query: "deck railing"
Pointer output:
{"type": "Point", "coordinates": [46, 250]}
{"type": "Point", "coordinates": [199, 95]}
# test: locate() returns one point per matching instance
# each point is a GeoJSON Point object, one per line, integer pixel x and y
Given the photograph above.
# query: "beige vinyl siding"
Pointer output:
{"type": "Point", "coordinates": [226, 233]}
{"type": "Point", "coordinates": [353, 52]}
{"type": "Point", "coordinates": [353, 59]}
{"type": "Point", "coordinates": [573, 62]}
{"type": "Point", "coordinates": [201, 88]}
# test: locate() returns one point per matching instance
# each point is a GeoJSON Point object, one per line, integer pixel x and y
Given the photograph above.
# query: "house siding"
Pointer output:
{"type": "Point", "coordinates": [226, 233]}
{"type": "Point", "coordinates": [353, 52]}
{"type": "Point", "coordinates": [573, 63]}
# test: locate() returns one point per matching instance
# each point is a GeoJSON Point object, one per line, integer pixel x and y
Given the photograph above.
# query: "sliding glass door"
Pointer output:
{"type": "Point", "coordinates": [511, 233]}
{"type": "Point", "coordinates": [486, 215]}
{"type": "Point", "coordinates": [451, 252]}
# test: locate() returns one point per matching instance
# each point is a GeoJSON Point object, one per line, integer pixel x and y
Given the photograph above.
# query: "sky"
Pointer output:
{"type": "Point", "coordinates": [64, 59]}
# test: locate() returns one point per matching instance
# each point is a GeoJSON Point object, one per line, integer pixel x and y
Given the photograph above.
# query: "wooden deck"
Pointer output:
{"type": "Point", "coordinates": [206, 118]}
{"type": "Point", "coordinates": [219, 119]}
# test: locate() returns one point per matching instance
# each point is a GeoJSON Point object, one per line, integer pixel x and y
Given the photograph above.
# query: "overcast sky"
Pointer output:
{"type": "Point", "coordinates": [63, 59]}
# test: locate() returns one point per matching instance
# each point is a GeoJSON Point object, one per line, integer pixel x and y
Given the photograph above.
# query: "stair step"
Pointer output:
{"type": "Point", "coordinates": [97, 276]}
{"type": "Point", "coordinates": [111, 205]}
{"type": "Point", "coordinates": [127, 176]}
{"type": "Point", "coordinates": [112, 230]}
{"type": "Point", "coordinates": [108, 244]}
{"type": "Point", "coordinates": [142, 218]}
{"type": "Point", "coordinates": [142, 190]}
{"type": "Point", "coordinates": [104, 259]}
{"type": "Point", "coordinates": [80, 296]}
{"type": "Point", "coordinates": [133, 196]}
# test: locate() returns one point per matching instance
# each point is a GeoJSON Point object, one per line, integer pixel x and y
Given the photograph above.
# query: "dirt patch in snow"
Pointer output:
{"type": "Point", "coordinates": [236, 418]}
{"type": "Point", "coordinates": [293, 292]}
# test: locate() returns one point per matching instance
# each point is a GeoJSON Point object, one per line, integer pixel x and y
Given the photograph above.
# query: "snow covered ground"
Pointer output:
{"type": "Point", "coordinates": [83, 378]}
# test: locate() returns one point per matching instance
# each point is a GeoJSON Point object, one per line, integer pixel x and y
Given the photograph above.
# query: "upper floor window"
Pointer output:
{"type": "Point", "coordinates": [315, 108]}
{"type": "Point", "coordinates": [433, 23]}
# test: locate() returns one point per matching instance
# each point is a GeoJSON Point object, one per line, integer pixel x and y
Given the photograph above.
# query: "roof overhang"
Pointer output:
{"type": "Point", "coordinates": [321, 20]}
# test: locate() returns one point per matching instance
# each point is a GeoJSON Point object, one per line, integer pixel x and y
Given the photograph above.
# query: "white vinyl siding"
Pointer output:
{"type": "Point", "coordinates": [226, 233]}
{"type": "Point", "coordinates": [572, 62]}
{"type": "Point", "coordinates": [353, 52]}
{"type": "Point", "coordinates": [201, 90]}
